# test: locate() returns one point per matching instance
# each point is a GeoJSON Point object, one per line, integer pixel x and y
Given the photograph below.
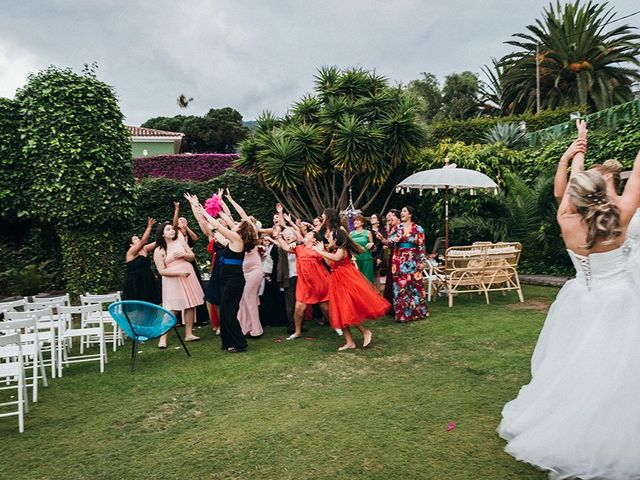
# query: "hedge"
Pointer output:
{"type": "Point", "coordinates": [93, 260]}
{"type": "Point", "coordinates": [77, 151]}
{"type": "Point", "coordinates": [201, 167]}
{"type": "Point", "coordinates": [12, 199]}
{"type": "Point", "coordinates": [473, 131]}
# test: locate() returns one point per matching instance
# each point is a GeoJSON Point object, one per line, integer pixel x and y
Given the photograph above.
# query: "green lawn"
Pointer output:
{"type": "Point", "coordinates": [294, 410]}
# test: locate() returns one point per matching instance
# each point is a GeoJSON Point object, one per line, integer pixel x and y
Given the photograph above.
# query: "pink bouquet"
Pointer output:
{"type": "Point", "coordinates": [213, 205]}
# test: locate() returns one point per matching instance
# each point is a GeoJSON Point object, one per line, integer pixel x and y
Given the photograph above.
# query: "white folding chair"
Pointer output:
{"type": "Point", "coordinates": [68, 331]}
{"type": "Point", "coordinates": [39, 303]}
{"type": "Point", "coordinates": [31, 351]}
{"type": "Point", "coordinates": [115, 335]}
{"type": "Point", "coordinates": [48, 325]}
{"type": "Point", "coordinates": [12, 372]}
{"type": "Point", "coordinates": [12, 305]}
{"type": "Point", "coordinates": [66, 299]}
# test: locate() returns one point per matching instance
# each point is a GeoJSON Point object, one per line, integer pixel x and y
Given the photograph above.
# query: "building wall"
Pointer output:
{"type": "Point", "coordinates": [152, 148]}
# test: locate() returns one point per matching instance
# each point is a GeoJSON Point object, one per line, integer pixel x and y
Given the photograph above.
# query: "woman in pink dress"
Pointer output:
{"type": "Point", "coordinates": [249, 312]}
{"type": "Point", "coordinates": [181, 290]}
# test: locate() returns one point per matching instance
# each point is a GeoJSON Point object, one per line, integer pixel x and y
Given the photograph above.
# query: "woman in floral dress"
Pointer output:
{"type": "Point", "coordinates": [408, 262]}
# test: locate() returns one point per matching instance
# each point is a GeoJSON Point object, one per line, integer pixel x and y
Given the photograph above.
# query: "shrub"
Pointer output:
{"type": "Point", "coordinates": [92, 259]}
{"type": "Point", "coordinates": [81, 171]}
{"type": "Point", "coordinates": [199, 167]}
{"type": "Point", "coordinates": [474, 130]}
{"type": "Point", "coordinates": [28, 280]}
{"type": "Point", "coordinates": [78, 150]}
{"type": "Point", "coordinates": [13, 178]}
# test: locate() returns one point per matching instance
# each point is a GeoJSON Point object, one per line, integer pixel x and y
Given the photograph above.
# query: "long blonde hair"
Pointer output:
{"type": "Point", "coordinates": [588, 192]}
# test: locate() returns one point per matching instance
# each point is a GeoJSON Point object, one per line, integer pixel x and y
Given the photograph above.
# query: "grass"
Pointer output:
{"type": "Point", "coordinates": [294, 410]}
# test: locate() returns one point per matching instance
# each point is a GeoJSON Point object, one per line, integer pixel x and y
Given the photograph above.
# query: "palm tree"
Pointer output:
{"type": "Point", "coordinates": [355, 131]}
{"type": "Point", "coordinates": [580, 62]}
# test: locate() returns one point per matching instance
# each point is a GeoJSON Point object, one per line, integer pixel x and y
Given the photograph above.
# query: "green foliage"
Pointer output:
{"type": "Point", "coordinates": [92, 259]}
{"type": "Point", "coordinates": [25, 244]}
{"type": "Point", "coordinates": [509, 134]}
{"type": "Point", "coordinates": [28, 280]}
{"type": "Point", "coordinates": [155, 197]}
{"type": "Point", "coordinates": [218, 131]}
{"type": "Point", "coordinates": [609, 119]}
{"type": "Point", "coordinates": [355, 131]}
{"type": "Point", "coordinates": [78, 150]}
{"type": "Point", "coordinates": [474, 130]}
{"type": "Point", "coordinates": [580, 63]}
{"type": "Point", "coordinates": [13, 178]}
{"type": "Point", "coordinates": [460, 96]}
{"type": "Point", "coordinates": [621, 144]}
{"type": "Point", "coordinates": [496, 160]}
{"type": "Point", "coordinates": [427, 89]}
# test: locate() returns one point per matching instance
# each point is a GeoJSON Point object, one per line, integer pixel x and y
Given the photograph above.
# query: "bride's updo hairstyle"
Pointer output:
{"type": "Point", "coordinates": [588, 192]}
{"type": "Point", "coordinates": [612, 167]}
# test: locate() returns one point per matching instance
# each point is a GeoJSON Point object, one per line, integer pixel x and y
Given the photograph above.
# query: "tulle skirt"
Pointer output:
{"type": "Point", "coordinates": [352, 298]}
{"type": "Point", "coordinates": [579, 417]}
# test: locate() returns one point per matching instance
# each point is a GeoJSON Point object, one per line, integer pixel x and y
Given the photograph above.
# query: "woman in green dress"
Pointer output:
{"type": "Point", "coordinates": [363, 238]}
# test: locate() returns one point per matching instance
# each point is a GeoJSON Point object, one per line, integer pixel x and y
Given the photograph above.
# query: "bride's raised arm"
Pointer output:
{"type": "Point", "coordinates": [631, 197]}
{"type": "Point", "coordinates": [577, 165]}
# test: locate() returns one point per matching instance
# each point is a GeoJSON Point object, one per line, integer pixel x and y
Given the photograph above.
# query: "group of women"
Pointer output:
{"type": "Point", "coordinates": [316, 265]}
{"type": "Point", "coordinates": [578, 416]}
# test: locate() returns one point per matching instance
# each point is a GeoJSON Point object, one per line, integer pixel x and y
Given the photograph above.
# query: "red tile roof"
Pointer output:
{"type": "Point", "coordinates": [151, 132]}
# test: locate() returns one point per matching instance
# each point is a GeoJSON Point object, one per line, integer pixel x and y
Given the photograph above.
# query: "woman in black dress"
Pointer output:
{"type": "Point", "coordinates": [140, 282]}
{"type": "Point", "coordinates": [242, 238]}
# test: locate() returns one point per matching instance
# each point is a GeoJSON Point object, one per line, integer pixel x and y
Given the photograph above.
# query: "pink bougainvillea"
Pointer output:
{"type": "Point", "coordinates": [199, 167]}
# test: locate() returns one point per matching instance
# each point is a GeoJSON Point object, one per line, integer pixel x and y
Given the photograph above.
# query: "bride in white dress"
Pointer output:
{"type": "Point", "coordinates": [579, 417]}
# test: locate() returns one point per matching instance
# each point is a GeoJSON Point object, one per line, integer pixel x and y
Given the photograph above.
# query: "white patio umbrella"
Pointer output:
{"type": "Point", "coordinates": [446, 178]}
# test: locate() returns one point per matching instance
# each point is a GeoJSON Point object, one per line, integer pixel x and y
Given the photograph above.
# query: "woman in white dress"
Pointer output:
{"type": "Point", "coordinates": [579, 417]}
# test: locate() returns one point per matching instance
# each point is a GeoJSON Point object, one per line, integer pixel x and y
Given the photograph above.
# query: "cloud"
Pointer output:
{"type": "Point", "coordinates": [252, 55]}
{"type": "Point", "coordinates": [15, 65]}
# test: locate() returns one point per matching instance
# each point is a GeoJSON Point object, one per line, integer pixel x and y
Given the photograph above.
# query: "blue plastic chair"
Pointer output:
{"type": "Point", "coordinates": [143, 321]}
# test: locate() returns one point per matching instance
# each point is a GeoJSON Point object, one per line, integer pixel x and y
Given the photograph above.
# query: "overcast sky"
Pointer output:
{"type": "Point", "coordinates": [252, 55]}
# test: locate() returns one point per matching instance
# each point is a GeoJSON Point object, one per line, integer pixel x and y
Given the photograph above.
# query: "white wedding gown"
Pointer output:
{"type": "Point", "coordinates": [579, 417]}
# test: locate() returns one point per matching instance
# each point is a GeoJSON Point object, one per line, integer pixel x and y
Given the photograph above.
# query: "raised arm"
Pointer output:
{"type": "Point", "coordinates": [577, 166]}
{"type": "Point", "coordinates": [239, 209]}
{"type": "Point", "coordinates": [176, 214]}
{"type": "Point", "coordinates": [134, 250]}
{"type": "Point", "coordinates": [631, 196]}
{"type": "Point", "coordinates": [192, 234]}
{"type": "Point", "coordinates": [235, 242]}
{"type": "Point", "coordinates": [560, 181]}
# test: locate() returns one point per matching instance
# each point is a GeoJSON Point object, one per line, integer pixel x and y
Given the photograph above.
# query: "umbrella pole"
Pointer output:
{"type": "Point", "coordinates": [446, 218]}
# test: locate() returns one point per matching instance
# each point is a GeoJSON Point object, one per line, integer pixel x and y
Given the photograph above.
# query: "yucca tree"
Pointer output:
{"type": "Point", "coordinates": [583, 60]}
{"type": "Point", "coordinates": [354, 131]}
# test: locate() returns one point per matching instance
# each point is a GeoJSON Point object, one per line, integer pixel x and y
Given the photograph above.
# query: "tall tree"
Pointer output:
{"type": "Point", "coordinates": [219, 130]}
{"type": "Point", "coordinates": [354, 131]}
{"type": "Point", "coordinates": [427, 89]}
{"type": "Point", "coordinates": [460, 96]}
{"type": "Point", "coordinates": [581, 62]}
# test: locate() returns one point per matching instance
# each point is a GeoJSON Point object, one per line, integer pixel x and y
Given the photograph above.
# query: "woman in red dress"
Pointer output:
{"type": "Point", "coordinates": [352, 298]}
{"type": "Point", "coordinates": [312, 286]}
